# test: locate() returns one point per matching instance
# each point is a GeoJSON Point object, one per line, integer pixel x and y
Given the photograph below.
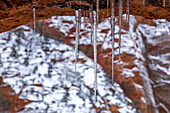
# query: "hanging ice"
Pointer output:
{"type": "Point", "coordinates": [103, 16]}
{"type": "Point", "coordinates": [95, 51]}
{"type": "Point", "coordinates": [91, 22]}
{"type": "Point", "coordinates": [112, 33]}
{"type": "Point", "coordinates": [163, 3]}
{"type": "Point", "coordinates": [120, 23]}
{"type": "Point", "coordinates": [79, 22]}
{"type": "Point", "coordinates": [84, 15]}
{"type": "Point", "coordinates": [34, 18]}
{"type": "Point", "coordinates": [87, 14]}
{"type": "Point", "coordinates": [77, 18]}
{"type": "Point", "coordinates": [143, 2]}
{"type": "Point", "coordinates": [107, 7]}
{"type": "Point", "coordinates": [127, 13]}
{"type": "Point", "coordinates": [97, 8]}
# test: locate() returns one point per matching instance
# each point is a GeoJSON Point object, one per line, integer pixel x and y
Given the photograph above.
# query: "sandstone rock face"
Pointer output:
{"type": "Point", "coordinates": [137, 86]}
{"type": "Point", "coordinates": [144, 63]}
{"type": "Point", "coordinates": [158, 59]}
{"type": "Point", "coordinates": [41, 69]}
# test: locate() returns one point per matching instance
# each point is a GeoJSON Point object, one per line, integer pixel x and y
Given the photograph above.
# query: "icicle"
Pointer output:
{"type": "Point", "coordinates": [77, 36]}
{"type": "Point", "coordinates": [127, 13]}
{"type": "Point", "coordinates": [97, 8]}
{"type": "Point", "coordinates": [107, 7]}
{"type": "Point", "coordinates": [120, 23]}
{"type": "Point", "coordinates": [80, 17]}
{"type": "Point", "coordinates": [143, 2]}
{"type": "Point", "coordinates": [34, 18]}
{"type": "Point", "coordinates": [87, 12]}
{"type": "Point", "coordinates": [163, 3]}
{"type": "Point", "coordinates": [70, 3]}
{"type": "Point", "coordinates": [84, 15]}
{"type": "Point", "coordinates": [103, 16]}
{"type": "Point", "coordinates": [113, 33]}
{"type": "Point", "coordinates": [91, 22]}
{"type": "Point", "coordinates": [95, 51]}
{"type": "Point", "coordinates": [79, 22]}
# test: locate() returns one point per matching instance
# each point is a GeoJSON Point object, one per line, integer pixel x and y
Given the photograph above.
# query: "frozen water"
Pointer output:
{"type": "Point", "coordinates": [120, 23]}
{"type": "Point", "coordinates": [34, 19]}
{"type": "Point", "coordinates": [77, 17]}
{"type": "Point", "coordinates": [112, 33]}
{"type": "Point", "coordinates": [95, 50]}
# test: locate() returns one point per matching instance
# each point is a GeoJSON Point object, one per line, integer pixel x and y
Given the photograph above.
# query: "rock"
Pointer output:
{"type": "Point", "coordinates": [133, 86]}
{"type": "Point", "coordinates": [46, 9]}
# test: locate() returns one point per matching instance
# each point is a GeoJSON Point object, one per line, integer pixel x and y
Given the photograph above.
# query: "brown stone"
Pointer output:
{"type": "Point", "coordinates": [19, 12]}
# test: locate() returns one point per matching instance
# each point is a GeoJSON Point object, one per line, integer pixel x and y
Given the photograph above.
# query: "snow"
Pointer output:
{"type": "Point", "coordinates": [151, 33]}
{"type": "Point", "coordinates": [127, 73]}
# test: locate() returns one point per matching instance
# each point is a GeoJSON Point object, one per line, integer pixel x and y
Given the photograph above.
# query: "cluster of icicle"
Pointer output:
{"type": "Point", "coordinates": [94, 19]}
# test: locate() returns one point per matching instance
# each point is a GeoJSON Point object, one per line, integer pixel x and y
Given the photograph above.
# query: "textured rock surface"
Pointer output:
{"type": "Point", "coordinates": [159, 76]}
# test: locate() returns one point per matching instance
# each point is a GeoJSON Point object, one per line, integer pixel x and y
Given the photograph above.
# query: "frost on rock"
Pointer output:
{"type": "Point", "coordinates": [131, 44]}
{"type": "Point", "coordinates": [25, 55]}
{"type": "Point", "coordinates": [131, 39]}
{"type": "Point", "coordinates": [155, 35]}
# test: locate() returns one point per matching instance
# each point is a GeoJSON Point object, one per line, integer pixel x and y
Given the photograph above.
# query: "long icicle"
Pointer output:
{"type": "Point", "coordinates": [97, 8]}
{"type": "Point", "coordinates": [79, 22]}
{"type": "Point", "coordinates": [103, 16]}
{"type": "Point", "coordinates": [95, 51]}
{"type": "Point", "coordinates": [113, 33]}
{"type": "Point", "coordinates": [143, 2]}
{"type": "Point", "coordinates": [91, 22]}
{"type": "Point", "coordinates": [107, 7]}
{"type": "Point", "coordinates": [127, 13]}
{"type": "Point", "coordinates": [163, 3]}
{"type": "Point", "coordinates": [120, 23]}
{"type": "Point", "coordinates": [84, 15]}
{"type": "Point", "coordinates": [34, 18]}
{"type": "Point", "coordinates": [77, 36]}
